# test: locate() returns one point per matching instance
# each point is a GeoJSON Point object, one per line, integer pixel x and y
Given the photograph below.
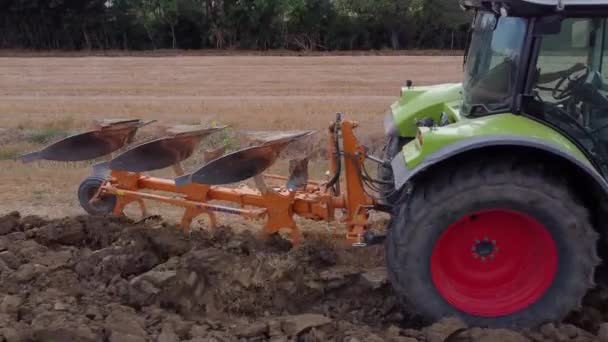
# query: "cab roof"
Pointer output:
{"type": "Point", "coordinates": [538, 7]}
{"type": "Point", "coordinates": [563, 3]}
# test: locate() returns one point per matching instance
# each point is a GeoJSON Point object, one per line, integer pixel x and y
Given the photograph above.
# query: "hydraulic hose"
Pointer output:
{"type": "Point", "coordinates": [336, 177]}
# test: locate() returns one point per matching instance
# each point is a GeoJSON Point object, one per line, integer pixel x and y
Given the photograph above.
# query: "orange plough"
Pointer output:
{"type": "Point", "coordinates": [123, 180]}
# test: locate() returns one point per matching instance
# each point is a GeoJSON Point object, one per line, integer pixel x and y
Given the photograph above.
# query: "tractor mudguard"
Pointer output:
{"type": "Point", "coordinates": [435, 146]}
{"type": "Point", "coordinates": [417, 103]}
{"type": "Point", "coordinates": [478, 145]}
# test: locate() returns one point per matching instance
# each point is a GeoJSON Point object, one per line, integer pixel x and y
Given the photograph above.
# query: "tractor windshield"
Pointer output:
{"type": "Point", "coordinates": [492, 63]}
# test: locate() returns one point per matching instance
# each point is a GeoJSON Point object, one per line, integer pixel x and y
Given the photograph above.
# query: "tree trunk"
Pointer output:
{"type": "Point", "coordinates": [87, 40]}
{"type": "Point", "coordinates": [395, 39]}
{"type": "Point", "coordinates": [452, 42]}
{"type": "Point", "coordinates": [106, 38]}
{"type": "Point", "coordinates": [149, 33]}
{"type": "Point", "coordinates": [172, 26]}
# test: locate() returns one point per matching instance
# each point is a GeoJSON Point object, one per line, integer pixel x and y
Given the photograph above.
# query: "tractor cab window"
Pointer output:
{"type": "Point", "coordinates": [493, 63]}
{"type": "Point", "coordinates": [571, 77]}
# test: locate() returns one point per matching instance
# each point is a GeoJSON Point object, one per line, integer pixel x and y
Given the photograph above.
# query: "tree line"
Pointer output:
{"type": "Point", "coordinates": [232, 24]}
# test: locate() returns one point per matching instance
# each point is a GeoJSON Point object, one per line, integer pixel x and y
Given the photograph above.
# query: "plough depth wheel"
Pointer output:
{"type": "Point", "coordinates": [91, 201]}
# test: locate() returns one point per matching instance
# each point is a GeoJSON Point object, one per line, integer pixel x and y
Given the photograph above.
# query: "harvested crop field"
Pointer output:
{"type": "Point", "coordinates": [45, 98]}
{"type": "Point", "coordinates": [244, 91]}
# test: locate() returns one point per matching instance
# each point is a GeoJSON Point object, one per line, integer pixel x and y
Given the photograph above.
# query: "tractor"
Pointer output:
{"type": "Point", "coordinates": [499, 184]}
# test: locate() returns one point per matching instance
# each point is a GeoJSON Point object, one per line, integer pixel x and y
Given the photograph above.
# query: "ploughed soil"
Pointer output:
{"type": "Point", "coordinates": [92, 279]}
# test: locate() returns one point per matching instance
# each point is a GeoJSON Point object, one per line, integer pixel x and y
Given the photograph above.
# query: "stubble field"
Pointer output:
{"type": "Point", "coordinates": [44, 98]}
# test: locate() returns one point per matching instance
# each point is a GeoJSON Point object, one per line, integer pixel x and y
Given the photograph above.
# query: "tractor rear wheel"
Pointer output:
{"type": "Point", "coordinates": [104, 205]}
{"type": "Point", "coordinates": [496, 243]}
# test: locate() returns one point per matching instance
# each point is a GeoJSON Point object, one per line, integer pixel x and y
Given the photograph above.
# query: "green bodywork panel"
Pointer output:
{"type": "Point", "coordinates": [425, 102]}
{"type": "Point", "coordinates": [431, 102]}
{"type": "Point", "coordinates": [494, 125]}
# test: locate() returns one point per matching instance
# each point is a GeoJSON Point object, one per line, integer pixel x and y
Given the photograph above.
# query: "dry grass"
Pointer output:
{"type": "Point", "coordinates": [42, 99]}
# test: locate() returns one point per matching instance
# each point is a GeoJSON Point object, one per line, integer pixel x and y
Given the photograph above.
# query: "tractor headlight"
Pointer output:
{"type": "Point", "coordinates": [389, 124]}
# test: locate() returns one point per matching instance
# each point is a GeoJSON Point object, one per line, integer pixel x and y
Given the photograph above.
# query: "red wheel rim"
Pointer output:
{"type": "Point", "coordinates": [494, 262]}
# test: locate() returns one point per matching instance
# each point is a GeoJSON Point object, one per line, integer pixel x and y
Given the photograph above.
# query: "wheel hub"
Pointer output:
{"type": "Point", "coordinates": [494, 262]}
{"type": "Point", "coordinates": [484, 249]}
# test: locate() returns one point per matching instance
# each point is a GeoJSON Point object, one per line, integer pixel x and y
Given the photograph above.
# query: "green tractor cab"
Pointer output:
{"type": "Point", "coordinates": [499, 183]}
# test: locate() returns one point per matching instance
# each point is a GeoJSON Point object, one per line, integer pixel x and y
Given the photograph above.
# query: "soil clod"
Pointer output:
{"type": "Point", "coordinates": [105, 279]}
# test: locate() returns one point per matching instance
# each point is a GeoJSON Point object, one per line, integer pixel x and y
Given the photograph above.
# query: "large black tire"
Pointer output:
{"type": "Point", "coordinates": [393, 145]}
{"type": "Point", "coordinates": [88, 188]}
{"type": "Point", "coordinates": [418, 243]}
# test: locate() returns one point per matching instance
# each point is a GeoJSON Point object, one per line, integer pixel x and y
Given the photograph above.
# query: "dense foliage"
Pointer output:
{"type": "Point", "coordinates": [246, 24]}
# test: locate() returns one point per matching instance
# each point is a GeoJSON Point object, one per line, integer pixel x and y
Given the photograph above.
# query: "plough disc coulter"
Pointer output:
{"type": "Point", "coordinates": [123, 180]}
